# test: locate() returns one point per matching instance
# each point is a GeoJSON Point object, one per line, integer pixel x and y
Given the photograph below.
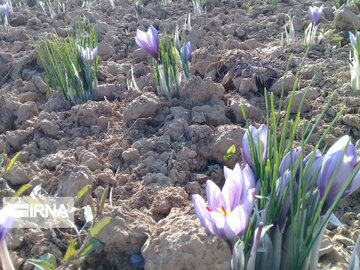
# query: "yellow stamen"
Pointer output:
{"type": "Point", "coordinates": [224, 211]}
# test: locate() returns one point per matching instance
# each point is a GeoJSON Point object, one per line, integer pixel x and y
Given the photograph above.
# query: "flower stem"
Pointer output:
{"type": "Point", "coordinates": [5, 257]}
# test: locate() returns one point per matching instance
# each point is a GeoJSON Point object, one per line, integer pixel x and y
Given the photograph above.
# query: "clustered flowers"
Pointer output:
{"type": "Point", "coordinates": [167, 60]}
{"type": "Point", "coordinates": [311, 31]}
{"type": "Point", "coordinates": [230, 213]}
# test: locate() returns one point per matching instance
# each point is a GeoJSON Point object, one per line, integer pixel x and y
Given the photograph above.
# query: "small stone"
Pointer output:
{"type": "Point", "coordinates": [145, 105]}
{"type": "Point", "coordinates": [181, 233]}
{"type": "Point", "coordinates": [106, 51]}
{"type": "Point", "coordinates": [243, 85]}
{"type": "Point", "coordinates": [19, 174]}
{"type": "Point", "coordinates": [71, 180]}
{"type": "Point", "coordinates": [176, 129]}
{"type": "Point", "coordinates": [18, 138]}
{"type": "Point", "coordinates": [236, 103]}
{"type": "Point", "coordinates": [213, 115]}
{"type": "Point", "coordinates": [41, 85]}
{"type": "Point", "coordinates": [352, 120]}
{"type": "Point", "coordinates": [298, 96]}
{"type": "Point", "coordinates": [287, 82]}
{"type": "Point", "coordinates": [193, 188]}
{"type": "Point", "coordinates": [343, 240]}
{"type": "Point", "coordinates": [157, 178]}
{"type": "Point", "coordinates": [198, 91]}
{"type": "Point", "coordinates": [26, 111]}
{"type": "Point", "coordinates": [345, 19]}
{"type": "Point", "coordinates": [49, 128]}
{"type": "Point", "coordinates": [131, 154]}
{"type": "Point", "coordinates": [221, 139]}
{"type": "Point", "coordinates": [326, 246]}
{"type": "Point", "coordinates": [91, 161]}
{"type": "Point", "coordinates": [104, 90]}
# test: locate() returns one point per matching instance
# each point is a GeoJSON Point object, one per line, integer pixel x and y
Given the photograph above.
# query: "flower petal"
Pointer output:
{"type": "Point", "coordinates": [263, 138]}
{"type": "Point", "coordinates": [335, 159]}
{"type": "Point", "coordinates": [219, 221]}
{"type": "Point", "coordinates": [6, 221]}
{"type": "Point", "coordinates": [234, 192]}
{"type": "Point", "coordinates": [249, 177]}
{"type": "Point", "coordinates": [289, 160]}
{"type": "Point", "coordinates": [214, 196]}
{"type": "Point", "coordinates": [236, 222]}
{"type": "Point", "coordinates": [202, 213]}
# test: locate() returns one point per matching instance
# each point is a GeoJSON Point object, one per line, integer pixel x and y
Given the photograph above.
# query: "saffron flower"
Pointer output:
{"type": "Point", "coordinates": [284, 194]}
{"type": "Point", "coordinates": [186, 52]}
{"type": "Point", "coordinates": [149, 41]}
{"type": "Point", "coordinates": [87, 54]}
{"type": "Point", "coordinates": [248, 174]}
{"type": "Point", "coordinates": [139, 8]}
{"type": "Point", "coordinates": [315, 14]}
{"type": "Point", "coordinates": [6, 222]}
{"type": "Point", "coordinates": [226, 213]}
{"type": "Point", "coordinates": [258, 137]}
{"type": "Point", "coordinates": [4, 10]}
{"type": "Point", "coordinates": [341, 159]}
{"type": "Point", "coordinates": [313, 170]}
{"type": "Point", "coordinates": [353, 38]}
{"type": "Point", "coordinates": [289, 160]}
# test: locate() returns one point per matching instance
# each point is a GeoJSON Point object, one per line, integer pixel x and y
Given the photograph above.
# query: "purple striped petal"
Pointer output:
{"type": "Point", "coordinates": [259, 136]}
{"type": "Point", "coordinates": [353, 39]}
{"type": "Point", "coordinates": [234, 191]}
{"type": "Point", "coordinates": [236, 222]}
{"type": "Point", "coordinates": [202, 213]}
{"type": "Point", "coordinates": [219, 222]}
{"type": "Point", "coordinates": [313, 170]}
{"type": "Point", "coordinates": [289, 160]}
{"type": "Point", "coordinates": [335, 159]}
{"type": "Point", "coordinates": [214, 196]}
{"type": "Point", "coordinates": [249, 177]}
{"type": "Point", "coordinates": [6, 222]}
{"type": "Point", "coordinates": [148, 41]}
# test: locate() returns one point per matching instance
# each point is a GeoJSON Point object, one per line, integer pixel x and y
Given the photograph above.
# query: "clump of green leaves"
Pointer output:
{"type": "Point", "coordinates": [71, 64]}
{"type": "Point", "coordinates": [200, 6]}
{"type": "Point", "coordinates": [354, 60]}
{"type": "Point", "coordinates": [339, 3]}
{"type": "Point", "coordinates": [52, 7]}
{"type": "Point", "coordinates": [289, 32]}
{"type": "Point", "coordinates": [166, 70]}
{"type": "Point", "coordinates": [84, 242]}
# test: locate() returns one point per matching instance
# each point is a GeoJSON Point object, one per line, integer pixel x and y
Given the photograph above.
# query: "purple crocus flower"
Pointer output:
{"type": "Point", "coordinates": [315, 14]}
{"type": "Point", "coordinates": [227, 212]}
{"type": "Point", "coordinates": [88, 54]}
{"type": "Point", "coordinates": [282, 189]}
{"type": "Point", "coordinates": [186, 52]}
{"type": "Point", "coordinates": [149, 41]}
{"type": "Point", "coordinates": [289, 160]}
{"type": "Point", "coordinates": [259, 136]}
{"type": "Point", "coordinates": [313, 170]}
{"type": "Point", "coordinates": [353, 38]}
{"type": "Point", "coordinates": [6, 222]}
{"type": "Point", "coordinates": [246, 173]}
{"type": "Point", "coordinates": [343, 158]}
{"type": "Point", "coordinates": [4, 10]}
{"type": "Point", "coordinates": [138, 8]}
